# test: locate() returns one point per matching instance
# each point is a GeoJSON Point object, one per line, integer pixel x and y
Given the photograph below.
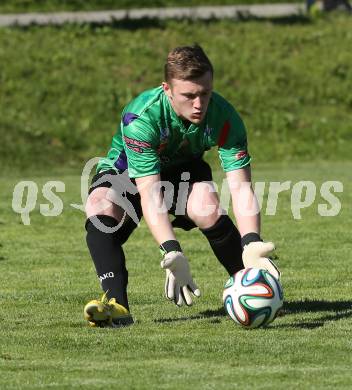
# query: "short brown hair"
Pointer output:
{"type": "Point", "coordinates": [187, 63]}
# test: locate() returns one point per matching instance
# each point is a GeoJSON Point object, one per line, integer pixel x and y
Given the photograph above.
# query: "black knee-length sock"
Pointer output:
{"type": "Point", "coordinates": [225, 241]}
{"type": "Point", "coordinates": [109, 259]}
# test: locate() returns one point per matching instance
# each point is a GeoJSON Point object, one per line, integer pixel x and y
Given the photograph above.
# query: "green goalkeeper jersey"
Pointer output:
{"type": "Point", "coordinates": [151, 138]}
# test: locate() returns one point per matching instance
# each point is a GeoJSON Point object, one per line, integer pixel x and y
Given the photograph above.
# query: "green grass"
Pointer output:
{"type": "Point", "coordinates": [47, 277]}
{"type": "Point", "coordinates": [85, 5]}
{"type": "Point", "coordinates": [62, 89]}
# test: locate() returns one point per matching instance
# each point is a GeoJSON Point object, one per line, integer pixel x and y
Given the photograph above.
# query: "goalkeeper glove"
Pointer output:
{"type": "Point", "coordinates": [179, 283]}
{"type": "Point", "coordinates": [255, 254]}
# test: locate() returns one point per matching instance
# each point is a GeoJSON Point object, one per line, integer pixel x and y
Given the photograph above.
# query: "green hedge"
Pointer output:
{"type": "Point", "coordinates": [62, 89]}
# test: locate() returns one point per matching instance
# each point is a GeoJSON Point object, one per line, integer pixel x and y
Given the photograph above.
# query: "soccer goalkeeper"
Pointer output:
{"type": "Point", "coordinates": [160, 142]}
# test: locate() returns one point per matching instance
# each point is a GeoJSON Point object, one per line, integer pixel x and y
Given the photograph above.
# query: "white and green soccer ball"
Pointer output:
{"type": "Point", "coordinates": [253, 297]}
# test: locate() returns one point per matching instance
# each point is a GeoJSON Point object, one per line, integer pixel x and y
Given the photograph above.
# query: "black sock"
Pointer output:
{"type": "Point", "coordinates": [108, 258]}
{"type": "Point", "coordinates": [225, 241]}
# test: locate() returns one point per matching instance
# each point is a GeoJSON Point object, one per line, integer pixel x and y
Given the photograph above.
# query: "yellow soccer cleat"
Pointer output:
{"type": "Point", "coordinates": [107, 314]}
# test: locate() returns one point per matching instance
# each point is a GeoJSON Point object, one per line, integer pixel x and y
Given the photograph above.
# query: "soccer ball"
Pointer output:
{"type": "Point", "coordinates": [253, 297]}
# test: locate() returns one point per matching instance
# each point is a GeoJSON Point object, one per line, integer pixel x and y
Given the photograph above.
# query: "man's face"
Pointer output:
{"type": "Point", "coordinates": [190, 98]}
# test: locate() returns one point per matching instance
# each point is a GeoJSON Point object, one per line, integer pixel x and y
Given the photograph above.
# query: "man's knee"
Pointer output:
{"type": "Point", "coordinates": [98, 203]}
{"type": "Point", "coordinates": [203, 206]}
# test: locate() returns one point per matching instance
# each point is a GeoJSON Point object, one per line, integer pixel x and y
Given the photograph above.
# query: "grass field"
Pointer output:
{"type": "Point", "coordinates": [47, 277]}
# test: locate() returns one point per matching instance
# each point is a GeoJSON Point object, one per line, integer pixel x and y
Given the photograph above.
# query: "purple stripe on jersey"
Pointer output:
{"type": "Point", "coordinates": [121, 162]}
{"type": "Point", "coordinates": [128, 118]}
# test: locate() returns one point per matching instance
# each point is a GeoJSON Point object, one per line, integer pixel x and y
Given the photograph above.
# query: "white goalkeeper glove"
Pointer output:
{"type": "Point", "coordinates": [179, 283]}
{"type": "Point", "coordinates": [255, 255]}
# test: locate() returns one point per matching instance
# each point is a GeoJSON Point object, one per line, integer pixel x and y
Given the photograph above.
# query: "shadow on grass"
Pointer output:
{"type": "Point", "coordinates": [2, 257]}
{"type": "Point", "coordinates": [307, 306]}
{"type": "Point", "coordinates": [130, 24]}
{"type": "Point", "coordinates": [337, 310]}
{"type": "Point", "coordinates": [145, 23]}
{"type": "Point", "coordinates": [214, 315]}
{"type": "Point", "coordinates": [281, 20]}
{"type": "Point", "coordinates": [125, 24]}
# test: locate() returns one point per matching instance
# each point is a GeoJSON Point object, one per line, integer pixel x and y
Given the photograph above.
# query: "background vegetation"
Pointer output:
{"type": "Point", "coordinates": [61, 93]}
{"type": "Point", "coordinates": [81, 5]}
{"type": "Point", "coordinates": [62, 89]}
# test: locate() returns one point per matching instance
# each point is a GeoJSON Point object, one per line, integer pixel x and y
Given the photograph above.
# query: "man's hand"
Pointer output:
{"type": "Point", "coordinates": [179, 283]}
{"type": "Point", "coordinates": [255, 255]}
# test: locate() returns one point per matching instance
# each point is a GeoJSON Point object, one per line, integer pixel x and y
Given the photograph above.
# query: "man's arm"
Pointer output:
{"type": "Point", "coordinates": [154, 209]}
{"type": "Point", "coordinates": [247, 214]}
{"type": "Point", "coordinates": [179, 283]}
{"type": "Point", "coordinates": [244, 202]}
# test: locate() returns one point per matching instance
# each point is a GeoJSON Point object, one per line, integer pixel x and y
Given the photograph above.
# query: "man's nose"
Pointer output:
{"type": "Point", "coordinates": [197, 103]}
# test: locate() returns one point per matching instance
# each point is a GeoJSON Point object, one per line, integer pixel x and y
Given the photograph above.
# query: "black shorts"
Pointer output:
{"type": "Point", "coordinates": [198, 170]}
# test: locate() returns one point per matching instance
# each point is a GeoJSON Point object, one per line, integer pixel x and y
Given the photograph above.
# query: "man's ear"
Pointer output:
{"type": "Point", "coordinates": [166, 88]}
